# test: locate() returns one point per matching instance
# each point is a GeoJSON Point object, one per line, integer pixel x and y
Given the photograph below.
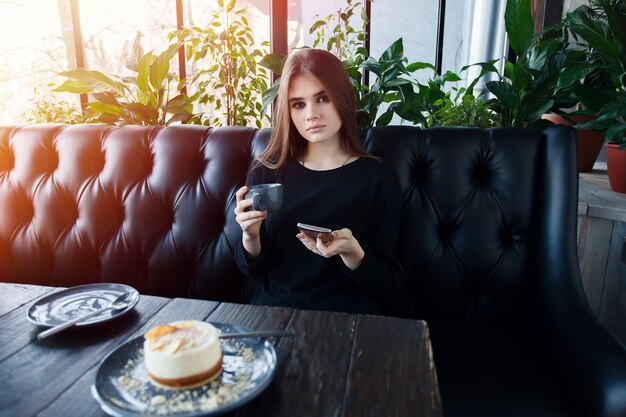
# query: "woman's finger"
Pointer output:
{"type": "Point", "coordinates": [308, 242]}
{"type": "Point", "coordinates": [244, 206]}
{"type": "Point", "coordinates": [240, 194]}
{"type": "Point", "coordinates": [342, 234]}
{"type": "Point", "coordinates": [248, 216]}
{"type": "Point", "coordinates": [329, 249]}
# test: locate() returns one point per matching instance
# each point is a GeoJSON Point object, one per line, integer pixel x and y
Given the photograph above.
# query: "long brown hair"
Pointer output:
{"type": "Point", "coordinates": [285, 140]}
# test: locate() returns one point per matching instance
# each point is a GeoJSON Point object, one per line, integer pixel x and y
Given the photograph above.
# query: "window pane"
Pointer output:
{"type": "Point", "coordinates": [110, 27]}
{"type": "Point", "coordinates": [32, 52]}
{"type": "Point", "coordinates": [303, 14]}
{"type": "Point", "coordinates": [415, 21]}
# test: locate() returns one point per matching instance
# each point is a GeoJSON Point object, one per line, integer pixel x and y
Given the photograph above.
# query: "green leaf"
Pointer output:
{"type": "Point", "coordinates": [372, 65]}
{"type": "Point", "coordinates": [449, 76]}
{"type": "Point", "coordinates": [395, 51]}
{"type": "Point", "coordinates": [613, 110]}
{"type": "Point", "coordinates": [103, 108]}
{"type": "Point", "coordinates": [590, 98]}
{"type": "Point", "coordinates": [595, 124]}
{"type": "Point", "coordinates": [273, 62]}
{"type": "Point", "coordinates": [538, 109]}
{"type": "Point", "coordinates": [318, 24]}
{"type": "Point", "coordinates": [161, 66]}
{"type": "Point", "coordinates": [520, 77]}
{"type": "Point", "coordinates": [220, 3]}
{"type": "Point", "coordinates": [595, 33]}
{"type": "Point", "coordinates": [616, 19]}
{"type": "Point", "coordinates": [519, 24]}
{"type": "Point", "coordinates": [416, 66]}
{"type": "Point", "coordinates": [504, 92]}
{"type": "Point", "coordinates": [143, 75]}
{"type": "Point", "coordinates": [269, 96]}
{"type": "Point", "coordinates": [615, 131]}
{"type": "Point", "coordinates": [485, 68]}
{"type": "Point", "coordinates": [572, 74]}
{"type": "Point", "coordinates": [97, 80]}
{"type": "Point", "coordinates": [73, 86]}
{"type": "Point", "coordinates": [146, 114]}
{"type": "Point", "coordinates": [179, 117]}
{"type": "Point", "coordinates": [231, 5]}
{"type": "Point", "coordinates": [107, 98]}
{"type": "Point", "coordinates": [385, 118]}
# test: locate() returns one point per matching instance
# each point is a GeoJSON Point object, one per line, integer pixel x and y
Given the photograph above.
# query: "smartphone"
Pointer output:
{"type": "Point", "coordinates": [315, 231]}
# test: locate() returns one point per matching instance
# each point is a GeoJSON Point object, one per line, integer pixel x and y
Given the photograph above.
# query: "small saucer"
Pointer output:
{"type": "Point", "coordinates": [62, 306]}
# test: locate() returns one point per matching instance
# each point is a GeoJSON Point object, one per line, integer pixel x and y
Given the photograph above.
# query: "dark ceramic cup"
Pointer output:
{"type": "Point", "coordinates": [266, 196]}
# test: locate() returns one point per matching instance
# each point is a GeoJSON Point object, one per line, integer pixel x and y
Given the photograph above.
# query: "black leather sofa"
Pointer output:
{"type": "Point", "coordinates": [488, 243]}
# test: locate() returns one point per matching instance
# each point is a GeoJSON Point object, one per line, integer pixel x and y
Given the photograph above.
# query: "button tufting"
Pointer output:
{"type": "Point", "coordinates": [445, 232]}
{"type": "Point", "coordinates": [475, 289]}
{"type": "Point", "coordinates": [99, 163]}
{"type": "Point", "coordinates": [7, 163]}
{"type": "Point", "coordinates": [480, 173]}
{"type": "Point", "coordinates": [54, 161]}
{"type": "Point", "coordinates": [200, 167]}
{"type": "Point", "coordinates": [507, 238]}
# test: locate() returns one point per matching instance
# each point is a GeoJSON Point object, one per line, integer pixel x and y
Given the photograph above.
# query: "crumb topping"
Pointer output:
{"type": "Point", "coordinates": [172, 339]}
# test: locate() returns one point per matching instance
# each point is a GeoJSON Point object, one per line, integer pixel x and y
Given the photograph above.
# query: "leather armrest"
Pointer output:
{"type": "Point", "coordinates": [590, 361]}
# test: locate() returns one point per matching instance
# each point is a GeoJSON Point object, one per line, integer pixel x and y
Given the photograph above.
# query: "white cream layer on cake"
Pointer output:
{"type": "Point", "coordinates": [182, 354]}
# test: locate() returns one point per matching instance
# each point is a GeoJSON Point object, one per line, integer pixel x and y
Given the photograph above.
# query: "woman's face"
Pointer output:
{"type": "Point", "coordinates": [311, 110]}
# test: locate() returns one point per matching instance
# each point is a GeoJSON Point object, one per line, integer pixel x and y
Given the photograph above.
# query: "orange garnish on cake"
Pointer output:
{"type": "Point", "coordinates": [159, 331]}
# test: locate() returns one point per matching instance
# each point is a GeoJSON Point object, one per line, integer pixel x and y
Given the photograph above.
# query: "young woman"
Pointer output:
{"type": "Point", "coordinates": [329, 180]}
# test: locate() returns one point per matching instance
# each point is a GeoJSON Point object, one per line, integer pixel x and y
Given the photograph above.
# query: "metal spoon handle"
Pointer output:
{"type": "Point", "coordinates": [260, 333]}
{"type": "Point", "coordinates": [70, 323]}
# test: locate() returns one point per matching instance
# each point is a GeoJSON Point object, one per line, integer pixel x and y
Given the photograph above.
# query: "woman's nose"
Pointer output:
{"type": "Point", "coordinates": [311, 115]}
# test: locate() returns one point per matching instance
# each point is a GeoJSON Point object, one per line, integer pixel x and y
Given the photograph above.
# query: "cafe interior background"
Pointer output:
{"type": "Point", "coordinates": [39, 38]}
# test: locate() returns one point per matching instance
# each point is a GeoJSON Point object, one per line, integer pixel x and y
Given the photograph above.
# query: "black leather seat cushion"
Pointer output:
{"type": "Point", "coordinates": [490, 369]}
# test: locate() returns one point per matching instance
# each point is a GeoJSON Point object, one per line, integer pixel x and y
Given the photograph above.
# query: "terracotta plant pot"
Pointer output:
{"type": "Point", "coordinates": [589, 142]}
{"type": "Point", "coordinates": [616, 167]}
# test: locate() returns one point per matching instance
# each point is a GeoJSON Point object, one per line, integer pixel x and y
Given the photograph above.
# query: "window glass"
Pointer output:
{"type": "Point", "coordinates": [415, 21]}
{"type": "Point", "coordinates": [110, 27]}
{"type": "Point", "coordinates": [303, 14]}
{"type": "Point", "coordinates": [32, 51]}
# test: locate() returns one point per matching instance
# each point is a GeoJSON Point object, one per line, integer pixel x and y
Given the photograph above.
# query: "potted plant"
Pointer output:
{"type": "Point", "coordinates": [46, 107]}
{"type": "Point", "coordinates": [226, 73]}
{"type": "Point", "coordinates": [468, 111]}
{"type": "Point", "coordinates": [539, 80]}
{"type": "Point", "coordinates": [602, 25]}
{"type": "Point", "coordinates": [151, 97]}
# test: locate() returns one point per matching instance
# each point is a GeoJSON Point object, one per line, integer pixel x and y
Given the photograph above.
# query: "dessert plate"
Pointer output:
{"type": "Point", "coordinates": [59, 307]}
{"type": "Point", "coordinates": [123, 388]}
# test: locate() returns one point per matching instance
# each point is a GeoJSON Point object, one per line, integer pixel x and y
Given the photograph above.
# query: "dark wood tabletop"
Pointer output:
{"type": "Point", "coordinates": [337, 364]}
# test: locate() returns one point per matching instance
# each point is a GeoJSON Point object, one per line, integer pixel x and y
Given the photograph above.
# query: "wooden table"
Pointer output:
{"type": "Point", "coordinates": [337, 365]}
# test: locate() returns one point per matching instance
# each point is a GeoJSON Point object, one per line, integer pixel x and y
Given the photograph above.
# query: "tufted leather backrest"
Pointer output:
{"type": "Point", "coordinates": [153, 207]}
{"type": "Point", "coordinates": [142, 205]}
{"type": "Point", "coordinates": [470, 199]}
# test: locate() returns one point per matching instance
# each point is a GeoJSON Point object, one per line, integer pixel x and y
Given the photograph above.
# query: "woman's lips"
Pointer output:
{"type": "Point", "coordinates": [315, 128]}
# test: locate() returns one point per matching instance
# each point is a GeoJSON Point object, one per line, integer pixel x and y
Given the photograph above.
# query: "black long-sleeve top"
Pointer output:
{"type": "Point", "coordinates": [363, 196]}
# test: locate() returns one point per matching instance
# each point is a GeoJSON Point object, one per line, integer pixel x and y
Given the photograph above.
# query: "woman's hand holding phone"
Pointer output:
{"type": "Point", "coordinates": [327, 243]}
{"type": "Point", "coordinates": [315, 232]}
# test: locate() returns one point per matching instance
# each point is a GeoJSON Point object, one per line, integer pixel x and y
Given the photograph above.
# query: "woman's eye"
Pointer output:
{"type": "Point", "coordinates": [298, 105]}
{"type": "Point", "coordinates": [323, 99]}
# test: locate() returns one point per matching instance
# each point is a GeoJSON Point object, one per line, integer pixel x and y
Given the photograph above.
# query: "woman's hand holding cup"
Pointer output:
{"type": "Point", "coordinates": [249, 220]}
